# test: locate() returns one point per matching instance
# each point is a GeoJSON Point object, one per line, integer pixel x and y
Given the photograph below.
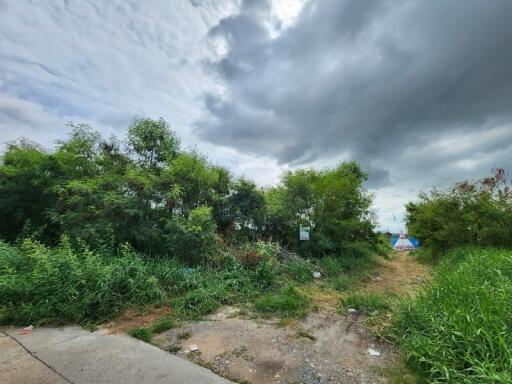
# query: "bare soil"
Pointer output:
{"type": "Point", "coordinates": [324, 347]}
{"type": "Point", "coordinates": [335, 349]}
{"type": "Point", "coordinates": [132, 318]}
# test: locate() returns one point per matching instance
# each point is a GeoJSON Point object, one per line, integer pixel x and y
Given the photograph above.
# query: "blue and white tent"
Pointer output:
{"type": "Point", "coordinates": [402, 243]}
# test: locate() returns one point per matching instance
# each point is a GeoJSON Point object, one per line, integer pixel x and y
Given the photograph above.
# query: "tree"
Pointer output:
{"type": "Point", "coordinates": [477, 213]}
{"type": "Point", "coordinates": [152, 141]}
{"type": "Point", "coordinates": [332, 203]}
{"type": "Point", "coordinates": [25, 188]}
{"type": "Point", "coordinates": [246, 208]}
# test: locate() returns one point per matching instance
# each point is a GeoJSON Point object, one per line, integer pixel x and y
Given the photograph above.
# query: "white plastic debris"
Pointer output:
{"type": "Point", "coordinates": [317, 274]}
{"type": "Point", "coordinates": [352, 310]}
{"type": "Point", "coordinates": [373, 352]}
{"type": "Point", "coordinates": [194, 348]}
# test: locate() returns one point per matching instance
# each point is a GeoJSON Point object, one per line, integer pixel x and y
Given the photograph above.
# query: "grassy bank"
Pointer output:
{"type": "Point", "coordinates": [63, 284]}
{"type": "Point", "coordinates": [458, 329]}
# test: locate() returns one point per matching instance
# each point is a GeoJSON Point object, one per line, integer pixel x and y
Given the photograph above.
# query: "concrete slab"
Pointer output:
{"type": "Point", "coordinates": [94, 357]}
{"type": "Point", "coordinates": [17, 366]}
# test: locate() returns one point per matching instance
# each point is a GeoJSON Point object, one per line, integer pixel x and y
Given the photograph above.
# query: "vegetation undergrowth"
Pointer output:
{"type": "Point", "coordinates": [95, 287]}
{"type": "Point", "coordinates": [288, 302]}
{"type": "Point", "coordinates": [163, 324]}
{"type": "Point", "coordinates": [367, 303]}
{"type": "Point", "coordinates": [469, 213]}
{"type": "Point", "coordinates": [141, 333]}
{"type": "Point", "coordinates": [99, 225]}
{"type": "Point", "coordinates": [458, 329]}
{"type": "Point", "coordinates": [146, 333]}
{"type": "Point", "coordinates": [59, 285]}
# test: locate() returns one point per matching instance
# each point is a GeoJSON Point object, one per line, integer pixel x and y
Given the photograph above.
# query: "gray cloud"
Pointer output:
{"type": "Point", "coordinates": [377, 81]}
{"type": "Point", "coordinates": [419, 91]}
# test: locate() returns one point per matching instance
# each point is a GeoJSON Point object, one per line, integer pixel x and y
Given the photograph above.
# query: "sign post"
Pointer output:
{"type": "Point", "coordinates": [304, 233]}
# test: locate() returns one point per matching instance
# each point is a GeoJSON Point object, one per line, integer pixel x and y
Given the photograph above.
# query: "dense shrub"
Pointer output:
{"type": "Point", "coordinates": [209, 288]}
{"type": "Point", "coordinates": [468, 214]}
{"type": "Point", "coordinates": [41, 285]}
{"type": "Point", "coordinates": [165, 201]}
{"type": "Point", "coordinates": [331, 202]}
{"type": "Point", "coordinates": [193, 240]}
{"type": "Point", "coordinates": [458, 329]}
{"type": "Point", "coordinates": [146, 222]}
{"type": "Point", "coordinates": [250, 255]}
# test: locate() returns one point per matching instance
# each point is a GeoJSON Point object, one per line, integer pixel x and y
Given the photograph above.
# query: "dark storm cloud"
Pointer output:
{"type": "Point", "coordinates": [377, 81]}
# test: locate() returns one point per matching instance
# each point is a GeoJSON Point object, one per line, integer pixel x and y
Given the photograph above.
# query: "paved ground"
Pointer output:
{"type": "Point", "coordinates": [73, 355]}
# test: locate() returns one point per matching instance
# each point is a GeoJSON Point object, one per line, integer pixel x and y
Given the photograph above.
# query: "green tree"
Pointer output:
{"type": "Point", "coordinates": [152, 141]}
{"type": "Point", "coordinates": [331, 202]}
{"type": "Point", "coordinates": [246, 208]}
{"type": "Point", "coordinates": [469, 213]}
{"type": "Point", "coordinates": [25, 188]}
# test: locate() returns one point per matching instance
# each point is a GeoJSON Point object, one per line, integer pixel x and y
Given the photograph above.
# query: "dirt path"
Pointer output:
{"type": "Point", "coordinates": [401, 274]}
{"type": "Point", "coordinates": [325, 347]}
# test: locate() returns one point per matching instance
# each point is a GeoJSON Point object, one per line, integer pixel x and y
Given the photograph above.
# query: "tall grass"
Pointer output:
{"type": "Point", "coordinates": [42, 285]}
{"type": "Point", "coordinates": [70, 283]}
{"type": "Point", "coordinates": [459, 329]}
{"type": "Point", "coordinates": [58, 285]}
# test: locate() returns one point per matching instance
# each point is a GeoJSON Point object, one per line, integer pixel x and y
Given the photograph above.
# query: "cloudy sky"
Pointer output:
{"type": "Point", "coordinates": [420, 92]}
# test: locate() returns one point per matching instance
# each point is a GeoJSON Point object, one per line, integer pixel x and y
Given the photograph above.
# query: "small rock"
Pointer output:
{"type": "Point", "coordinates": [352, 310]}
{"type": "Point", "coordinates": [373, 352]}
{"type": "Point", "coordinates": [317, 275]}
{"type": "Point", "coordinates": [194, 348]}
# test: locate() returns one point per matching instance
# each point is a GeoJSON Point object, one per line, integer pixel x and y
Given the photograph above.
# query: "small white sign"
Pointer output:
{"type": "Point", "coordinates": [304, 233]}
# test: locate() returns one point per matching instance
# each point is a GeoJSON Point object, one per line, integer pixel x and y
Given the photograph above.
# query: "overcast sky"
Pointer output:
{"type": "Point", "coordinates": [419, 92]}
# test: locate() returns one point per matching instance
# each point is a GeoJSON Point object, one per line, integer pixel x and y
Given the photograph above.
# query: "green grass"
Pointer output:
{"type": "Point", "coordinates": [146, 333]}
{"type": "Point", "coordinates": [459, 329]}
{"type": "Point", "coordinates": [71, 284]}
{"type": "Point", "coordinates": [298, 271]}
{"type": "Point", "coordinates": [367, 303]}
{"type": "Point", "coordinates": [41, 285]}
{"type": "Point", "coordinates": [143, 334]}
{"type": "Point", "coordinates": [163, 324]}
{"type": "Point", "coordinates": [288, 302]}
{"type": "Point", "coordinates": [343, 282]}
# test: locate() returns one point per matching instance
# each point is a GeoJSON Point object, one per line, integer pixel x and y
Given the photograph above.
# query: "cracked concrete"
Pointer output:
{"type": "Point", "coordinates": [74, 355]}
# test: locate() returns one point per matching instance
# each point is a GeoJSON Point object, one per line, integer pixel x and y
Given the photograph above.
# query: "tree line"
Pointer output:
{"type": "Point", "coordinates": [148, 192]}
{"type": "Point", "coordinates": [469, 213]}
